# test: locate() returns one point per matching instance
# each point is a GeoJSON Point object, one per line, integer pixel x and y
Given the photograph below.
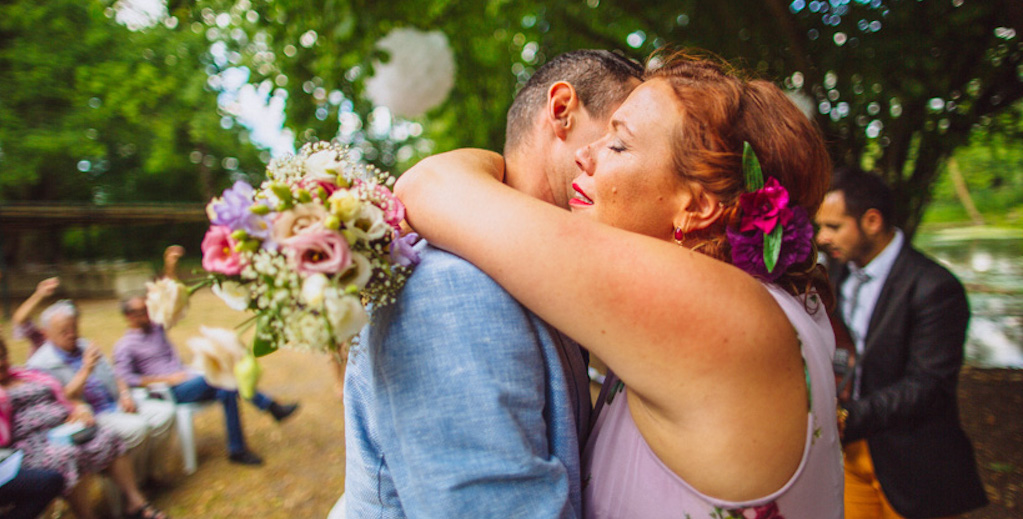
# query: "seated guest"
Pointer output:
{"type": "Point", "coordinates": [86, 375]}
{"type": "Point", "coordinates": [144, 356]}
{"type": "Point", "coordinates": [31, 404]}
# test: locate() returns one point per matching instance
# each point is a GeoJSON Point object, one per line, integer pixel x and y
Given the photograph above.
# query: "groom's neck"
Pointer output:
{"type": "Point", "coordinates": [525, 172]}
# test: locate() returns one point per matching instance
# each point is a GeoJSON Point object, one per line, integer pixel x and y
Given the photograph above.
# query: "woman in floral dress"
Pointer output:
{"type": "Point", "coordinates": [31, 404]}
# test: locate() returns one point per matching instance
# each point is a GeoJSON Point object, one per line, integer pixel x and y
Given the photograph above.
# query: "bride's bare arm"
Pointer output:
{"type": "Point", "coordinates": [657, 313]}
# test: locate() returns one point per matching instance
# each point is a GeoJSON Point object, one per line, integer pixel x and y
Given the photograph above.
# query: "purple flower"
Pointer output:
{"type": "Point", "coordinates": [233, 210]}
{"type": "Point", "coordinates": [748, 247]}
{"type": "Point", "coordinates": [233, 207]}
{"type": "Point", "coordinates": [402, 253]}
{"type": "Point", "coordinates": [765, 208]}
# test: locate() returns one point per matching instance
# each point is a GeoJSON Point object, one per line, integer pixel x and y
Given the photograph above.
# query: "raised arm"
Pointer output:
{"type": "Point", "coordinates": [628, 298]}
{"type": "Point", "coordinates": [170, 261]}
{"type": "Point", "coordinates": [44, 289]}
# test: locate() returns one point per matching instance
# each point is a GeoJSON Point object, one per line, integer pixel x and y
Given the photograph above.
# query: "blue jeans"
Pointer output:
{"type": "Point", "coordinates": [30, 492]}
{"type": "Point", "coordinates": [198, 390]}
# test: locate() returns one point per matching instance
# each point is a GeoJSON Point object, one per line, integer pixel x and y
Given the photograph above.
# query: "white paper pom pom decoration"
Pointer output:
{"type": "Point", "coordinates": [419, 75]}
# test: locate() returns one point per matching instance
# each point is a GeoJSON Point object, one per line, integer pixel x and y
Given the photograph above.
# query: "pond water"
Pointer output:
{"type": "Point", "coordinates": [990, 265]}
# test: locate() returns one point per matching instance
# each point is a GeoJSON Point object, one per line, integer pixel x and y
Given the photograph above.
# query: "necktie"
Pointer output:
{"type": "Point", "coordinates": [852, 306]}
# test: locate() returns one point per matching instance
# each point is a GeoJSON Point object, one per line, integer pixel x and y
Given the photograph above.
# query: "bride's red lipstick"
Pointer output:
{"type": "Point", "coordinates": [580, 199]}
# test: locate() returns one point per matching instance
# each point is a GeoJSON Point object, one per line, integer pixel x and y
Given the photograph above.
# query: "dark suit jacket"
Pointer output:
{"type": "Point", "coordinates": [908, 409]}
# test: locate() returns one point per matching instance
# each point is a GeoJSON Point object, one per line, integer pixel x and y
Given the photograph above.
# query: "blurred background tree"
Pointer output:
{"type": "Point", "coordinates": [100, 107]}
{"type": "Point", "coordinates": [896, 85]}
{"type": "Point", "coordinates": [91, 110]}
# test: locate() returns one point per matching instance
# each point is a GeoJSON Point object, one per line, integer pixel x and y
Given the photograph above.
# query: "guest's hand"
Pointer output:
{"type": "Point", "coordinates": [173, 253]}
{"type": "Point", "coordinates": [127, 402]}
{"type": "Point", "coordinates": [47, 287]}
{"type": "Point", "coordinates": [91, 357]}
{"type": "Point", "coordinates": [82, 414]}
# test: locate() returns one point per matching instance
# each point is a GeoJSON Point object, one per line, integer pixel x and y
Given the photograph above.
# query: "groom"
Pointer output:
{"type": "Point", "coordinates": [459, 402]}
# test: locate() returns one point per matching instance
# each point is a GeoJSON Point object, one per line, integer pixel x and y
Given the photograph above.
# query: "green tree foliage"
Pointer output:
{"type": "Point", "coordinates": [92, 111]}
{"type": "Point", "coordinates": [896, 85]}
{"type": "Point", "coordinates": [992, 167]}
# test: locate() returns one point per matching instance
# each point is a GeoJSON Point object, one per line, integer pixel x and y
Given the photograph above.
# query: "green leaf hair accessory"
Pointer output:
{"type": "Point", "coordinates": [751, 168]}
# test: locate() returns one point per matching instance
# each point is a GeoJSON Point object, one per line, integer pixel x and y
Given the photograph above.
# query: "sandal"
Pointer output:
{"type": "Point", "coordinates": [146, 511]}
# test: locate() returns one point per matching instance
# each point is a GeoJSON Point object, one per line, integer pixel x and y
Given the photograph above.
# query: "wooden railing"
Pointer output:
{"type": "Point", "coordinates": [34, 215]}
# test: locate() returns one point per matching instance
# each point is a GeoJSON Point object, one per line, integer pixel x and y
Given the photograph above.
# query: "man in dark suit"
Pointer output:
{"type": "Point", "coordinates": [906, 454]}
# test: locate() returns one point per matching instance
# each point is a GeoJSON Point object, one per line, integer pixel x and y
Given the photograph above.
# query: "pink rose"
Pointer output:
{"type": "Point", "coordinates": [318, 251]}
{"type": "Point", "coordinates": [311, 184]}
{"type": "Point", "coordinates": [764, 208]}
{"type": "Point", "coordinates": [296, 220]}
{"type": "Point", "coordinates": [218, 254]}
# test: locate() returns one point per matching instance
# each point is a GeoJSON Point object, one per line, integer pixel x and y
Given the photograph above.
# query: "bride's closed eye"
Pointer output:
{"type": "Point", "coordinates": [616, 146]}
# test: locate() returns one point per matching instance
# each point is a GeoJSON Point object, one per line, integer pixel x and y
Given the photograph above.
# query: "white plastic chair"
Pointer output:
{"type": "Point", "coordinates": [184, 414]}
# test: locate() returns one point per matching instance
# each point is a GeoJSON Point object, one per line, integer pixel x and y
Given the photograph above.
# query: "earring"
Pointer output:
{"type": "Point", "coordinates": [679, 235]}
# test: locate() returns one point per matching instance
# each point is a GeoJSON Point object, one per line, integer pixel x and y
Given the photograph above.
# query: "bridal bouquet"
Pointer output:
{"type": "Point", "coordinates": [308, 249]}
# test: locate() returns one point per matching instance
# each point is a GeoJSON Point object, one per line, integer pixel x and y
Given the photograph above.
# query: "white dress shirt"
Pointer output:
{"type": "Point", "coordinates": [857, 308]}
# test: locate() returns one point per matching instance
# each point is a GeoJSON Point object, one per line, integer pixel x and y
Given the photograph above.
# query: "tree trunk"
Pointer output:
{"type": "Point", "coordinates": [963, 193]}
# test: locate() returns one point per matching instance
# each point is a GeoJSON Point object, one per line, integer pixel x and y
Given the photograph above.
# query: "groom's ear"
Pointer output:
{"type": "Point", "coordinates": [560, 113]}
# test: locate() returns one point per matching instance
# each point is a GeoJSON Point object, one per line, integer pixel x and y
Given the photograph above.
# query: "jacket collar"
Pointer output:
{"type": "Point", "coordinates": [899, 272]}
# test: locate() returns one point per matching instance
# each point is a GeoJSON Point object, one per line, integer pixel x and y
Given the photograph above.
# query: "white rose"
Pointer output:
{"type": "Point", "coordinates": [323, 165]}
{"type": "Point", "coordinates": [346, 315]}
{"type": "Point", "coordinates": [166, 301]}
{"type": "Point", "coordinates": [369, 223]}
{"type": "Point", "coordinates": [344, 204]}
{"type": "Point", "coordinates": [313, 289]}
{"type": "Point", "coordinates": [359, 273]}
{"type": "Point", "coordinates": [296, 220]}
{"type": "Point", "coordinates": [236, 295]}
{"type": "Point", "coordinates": [216, 352]}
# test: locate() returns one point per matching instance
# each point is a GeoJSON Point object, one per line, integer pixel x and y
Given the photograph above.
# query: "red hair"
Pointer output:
{"type": "Point", "coordinates": [719, 111]}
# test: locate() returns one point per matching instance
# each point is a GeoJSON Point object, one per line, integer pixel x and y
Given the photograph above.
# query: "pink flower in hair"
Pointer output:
{"type": "Point", "coordinates": [765, 208]}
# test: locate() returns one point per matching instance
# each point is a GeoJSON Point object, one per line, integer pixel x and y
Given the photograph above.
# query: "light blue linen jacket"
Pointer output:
{"type": "Point", "coordinates": [459, 402]}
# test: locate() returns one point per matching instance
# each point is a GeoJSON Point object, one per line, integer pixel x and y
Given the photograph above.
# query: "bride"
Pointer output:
{"type": "Point", "coordinates": [726, 406]}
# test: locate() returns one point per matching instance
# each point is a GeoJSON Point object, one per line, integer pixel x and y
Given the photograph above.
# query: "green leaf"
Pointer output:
{"type": "Point", "coordinates": [751, 170]}
{"type": "Point", "coordinates": [261, 346]}
{"type": "Point", "coordinates": [772, 247]}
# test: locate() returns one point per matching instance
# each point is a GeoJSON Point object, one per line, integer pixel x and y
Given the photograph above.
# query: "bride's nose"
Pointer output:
{"type": "Point", "coordinates": [584, 159]}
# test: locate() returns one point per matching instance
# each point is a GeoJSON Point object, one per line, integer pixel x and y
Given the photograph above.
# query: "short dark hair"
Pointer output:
{"type": "Point", "coordinates": [864, 191]}
{"type": "Point", "coordinates": [600, 78]}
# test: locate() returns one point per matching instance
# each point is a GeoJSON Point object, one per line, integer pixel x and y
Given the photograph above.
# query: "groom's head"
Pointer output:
{"type": "Point", "coordinates": [565, 105]}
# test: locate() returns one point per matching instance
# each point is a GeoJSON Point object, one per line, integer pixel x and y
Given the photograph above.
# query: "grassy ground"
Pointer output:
{"type": "Point", "coordinates": [304, 470]}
